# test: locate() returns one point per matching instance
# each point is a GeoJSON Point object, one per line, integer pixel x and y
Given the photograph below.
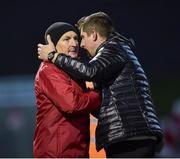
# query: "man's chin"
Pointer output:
{"type": "Point", "coordinates": [89, 55]}
{"type": "Point", "coordinates": [73, 54]}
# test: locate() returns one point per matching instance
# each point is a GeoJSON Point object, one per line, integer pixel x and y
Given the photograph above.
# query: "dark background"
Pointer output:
{"type": "Point", "coordinates": [154, 25]}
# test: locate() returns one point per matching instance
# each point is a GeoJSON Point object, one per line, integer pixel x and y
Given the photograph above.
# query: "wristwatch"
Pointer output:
{"type": "Point", "coordinates": [51, 55]}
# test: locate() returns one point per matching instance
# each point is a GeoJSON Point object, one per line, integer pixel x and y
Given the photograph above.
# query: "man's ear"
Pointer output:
{"type": "Point", "coordinates": [94, 33]}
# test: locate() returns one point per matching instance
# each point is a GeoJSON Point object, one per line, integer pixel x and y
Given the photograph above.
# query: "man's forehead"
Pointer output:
{"type": "Point", "coordinates": [83, 33]}
{"type": "Point", "coordinates": [70, 34]}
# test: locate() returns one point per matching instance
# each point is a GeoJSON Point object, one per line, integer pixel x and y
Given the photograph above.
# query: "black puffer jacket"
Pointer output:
{"type": "Point", "coordinates": [127, 109]}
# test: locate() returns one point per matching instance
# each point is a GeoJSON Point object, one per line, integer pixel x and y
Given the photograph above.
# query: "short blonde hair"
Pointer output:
{"type": "Point", "coordinates": [99, 21]}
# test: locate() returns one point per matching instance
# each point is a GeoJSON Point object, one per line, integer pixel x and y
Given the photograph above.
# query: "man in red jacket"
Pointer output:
{"type": "Point", "coordinates": [63, 104]}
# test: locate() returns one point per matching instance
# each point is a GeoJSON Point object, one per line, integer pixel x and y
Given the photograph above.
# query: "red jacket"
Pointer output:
{"type": "Point", "coordinates": [62, 118]}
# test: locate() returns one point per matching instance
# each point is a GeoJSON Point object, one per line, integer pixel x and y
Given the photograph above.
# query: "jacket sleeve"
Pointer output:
{"type": "Point", "coordinates": [58, 87]}
{"type": "Point", "coordinates": [103, 66]}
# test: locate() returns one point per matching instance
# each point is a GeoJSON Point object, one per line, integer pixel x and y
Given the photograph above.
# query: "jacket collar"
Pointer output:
{"type": "Point", "coordinates": [116, 35]}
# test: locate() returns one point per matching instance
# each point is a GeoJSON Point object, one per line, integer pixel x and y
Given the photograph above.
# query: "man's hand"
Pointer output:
{"type": "Point", "coordinates": [89, 85]}
{"type": "Point", "coordinates": [43, 50]}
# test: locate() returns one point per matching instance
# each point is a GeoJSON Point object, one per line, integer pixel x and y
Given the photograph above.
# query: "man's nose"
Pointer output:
{"type": "Point", "coordinates": [74, 43]}
{"type": "Point", "coordinates": [82, 44]}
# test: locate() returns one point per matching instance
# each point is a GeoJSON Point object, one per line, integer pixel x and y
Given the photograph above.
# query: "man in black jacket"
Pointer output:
{"type": "Point", "coordinates": [127, 122]}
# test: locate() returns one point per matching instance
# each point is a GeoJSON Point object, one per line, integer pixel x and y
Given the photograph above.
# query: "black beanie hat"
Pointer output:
{"type": "Point", "coordinates": [56, 30]}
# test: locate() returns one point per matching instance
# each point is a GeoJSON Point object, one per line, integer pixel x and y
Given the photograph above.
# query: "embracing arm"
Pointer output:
{"type": "Point", "coordinates": [103, 66]}
{"type": "Point", "coordinates": [66, 97]}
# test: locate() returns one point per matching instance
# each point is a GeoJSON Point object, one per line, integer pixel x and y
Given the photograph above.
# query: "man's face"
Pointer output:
{"type": "Point", "coordinates": [87, 43]}
{"type": "Point", "coordinates": [68, 44]}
